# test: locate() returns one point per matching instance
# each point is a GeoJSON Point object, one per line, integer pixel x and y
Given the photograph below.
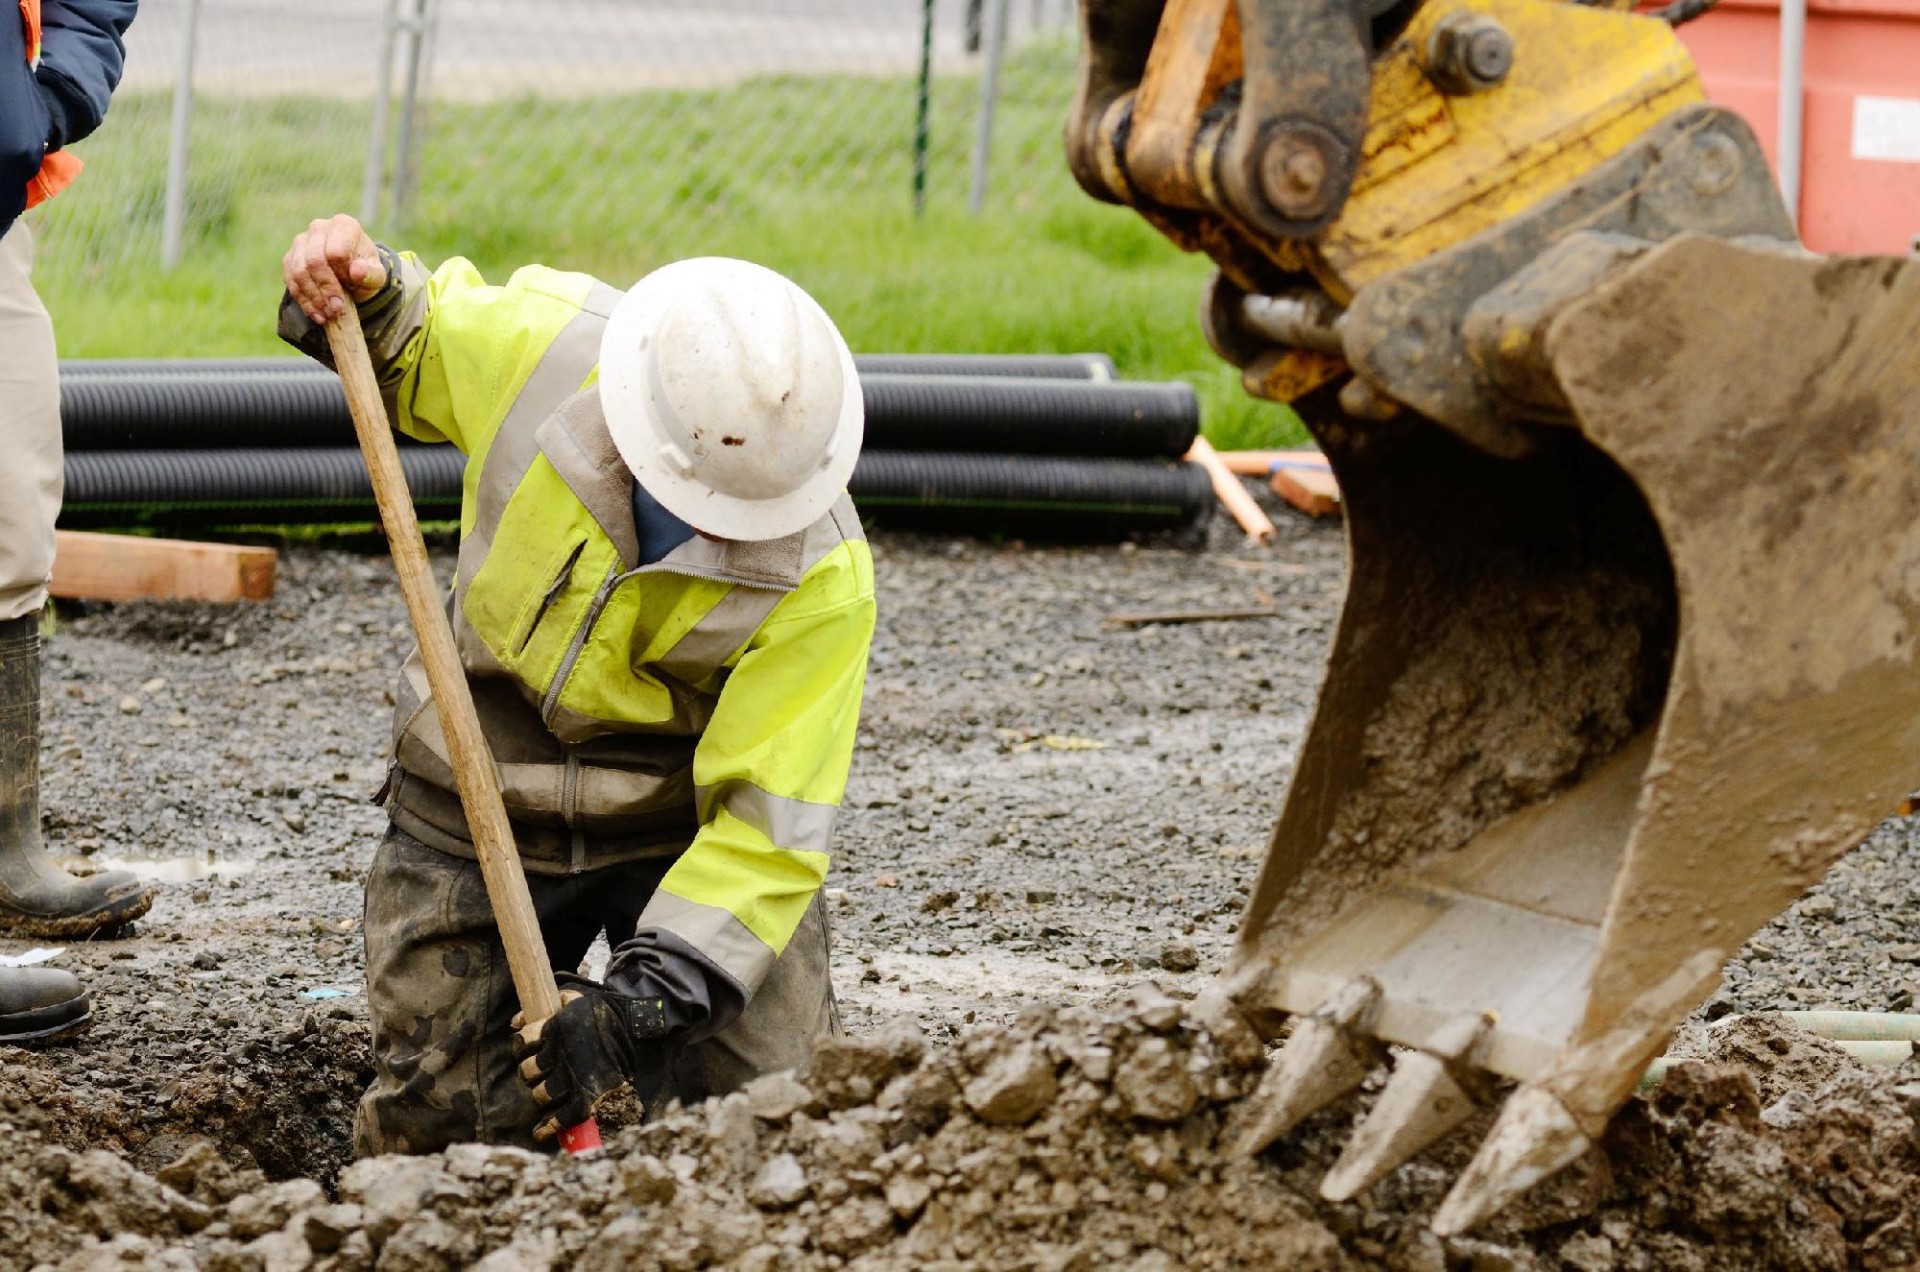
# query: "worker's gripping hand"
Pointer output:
{"type": "Point", "coordinates": [329, 262]}
{"type": "Point", "coordinates": [596, 1043]}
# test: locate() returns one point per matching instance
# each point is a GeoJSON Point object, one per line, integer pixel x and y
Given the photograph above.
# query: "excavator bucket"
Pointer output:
{"type": "Point", "coordinates": [1627, 657]}
{"type": "Point", "coordinates": [1595, 715]}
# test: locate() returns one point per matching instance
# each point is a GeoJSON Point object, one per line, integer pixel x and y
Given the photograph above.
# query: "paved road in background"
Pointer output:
{"type": "Point", "coordinates": [485, 48]}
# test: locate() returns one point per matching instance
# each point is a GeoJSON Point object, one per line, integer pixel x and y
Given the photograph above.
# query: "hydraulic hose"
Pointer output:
{"type": "Point", "coordinates": [1072, 497]}
{"type": "Point", "coordinates": [1031, 366]}
{"type": "Point", "coordinates": [243, 408]}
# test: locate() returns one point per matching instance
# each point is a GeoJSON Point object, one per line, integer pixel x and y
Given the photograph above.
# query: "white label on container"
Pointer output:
{"type": "Point", "coordinates": [1886, 129]}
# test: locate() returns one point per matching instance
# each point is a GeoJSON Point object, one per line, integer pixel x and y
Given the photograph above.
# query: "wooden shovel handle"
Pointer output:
{"type": "Point", "coordinates": [473, 768]}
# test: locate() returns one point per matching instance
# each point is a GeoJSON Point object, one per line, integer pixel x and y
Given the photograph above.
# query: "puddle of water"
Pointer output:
{"type": "Point", "coordinates": [162, 869]}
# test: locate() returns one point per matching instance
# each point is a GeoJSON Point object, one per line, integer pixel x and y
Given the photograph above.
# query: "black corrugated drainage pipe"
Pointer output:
{"type": "Point", "coordinates": [291, 486]}
{"type": "Point", "coordinates": [254, 409]}
{"type": "Point", "coordinates": [1030, 366]}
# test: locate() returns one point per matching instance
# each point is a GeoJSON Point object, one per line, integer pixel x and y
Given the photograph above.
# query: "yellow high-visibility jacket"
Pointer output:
{"type": "Point", "coordinates": [704, 705]}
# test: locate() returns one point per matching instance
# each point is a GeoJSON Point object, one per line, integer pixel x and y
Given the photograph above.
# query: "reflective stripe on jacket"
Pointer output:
{"type": "Point", "coordinates": [710, 697]}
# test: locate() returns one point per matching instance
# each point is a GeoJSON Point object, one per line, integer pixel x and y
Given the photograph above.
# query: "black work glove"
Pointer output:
{"type": "Point", "coordinates": [597, 1042]}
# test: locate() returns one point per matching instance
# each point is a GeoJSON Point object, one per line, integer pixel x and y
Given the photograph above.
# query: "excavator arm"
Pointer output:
{"type": "Point", "coordinates": [1627, 655]}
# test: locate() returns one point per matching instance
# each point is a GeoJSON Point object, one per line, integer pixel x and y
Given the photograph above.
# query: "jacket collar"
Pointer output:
{"type": "Point", "coordinates": [576, 442]}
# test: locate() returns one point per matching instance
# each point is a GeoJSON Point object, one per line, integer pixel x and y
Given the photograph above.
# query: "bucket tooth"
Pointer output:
{"type": "Point", "coordinates": [1534, 1137]}
{"type": "Point", "coordinates": [1421, 1103]}
{"type": "Point", "coordinates": [1432, 1091]}
{"type": "Point", "coordinates": [1326, 1057]}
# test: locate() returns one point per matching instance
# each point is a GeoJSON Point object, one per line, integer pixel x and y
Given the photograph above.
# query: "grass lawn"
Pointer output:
{"type": "Point", "coordinates": [810, 176]}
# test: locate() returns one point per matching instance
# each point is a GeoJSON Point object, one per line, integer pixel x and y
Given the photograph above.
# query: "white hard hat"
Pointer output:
{"type": "Point", "coordinates": [732, 398]}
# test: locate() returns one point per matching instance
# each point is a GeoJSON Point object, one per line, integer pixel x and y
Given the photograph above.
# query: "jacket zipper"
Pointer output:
{"type": "Point", "coordinates": [551, 702]}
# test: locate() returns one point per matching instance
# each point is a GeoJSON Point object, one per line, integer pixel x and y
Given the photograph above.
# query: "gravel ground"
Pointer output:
{"type": "Point", "coordinates": [1045, 807]}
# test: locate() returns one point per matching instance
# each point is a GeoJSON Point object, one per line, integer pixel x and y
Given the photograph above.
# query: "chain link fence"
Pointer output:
{"type": "Point", "coordinates": [551, 129]}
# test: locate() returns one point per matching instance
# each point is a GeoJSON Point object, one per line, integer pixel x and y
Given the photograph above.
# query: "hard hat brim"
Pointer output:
{"type": "Point", "coordinates": [634, 422]}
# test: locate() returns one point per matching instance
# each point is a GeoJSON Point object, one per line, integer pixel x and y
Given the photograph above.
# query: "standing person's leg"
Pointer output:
{"type": "Point", "coordinates": [37, 897]}
{"type": "Point", "coordinates": [31, 477]}
{"type": "Point", "coordinates": [441, 997]}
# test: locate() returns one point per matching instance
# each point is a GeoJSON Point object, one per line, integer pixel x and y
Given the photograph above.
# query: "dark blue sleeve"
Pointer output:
{"type": "Point", "coordinates": [23, 119]}
{"type": "Point", "coordinates": [81, 58]}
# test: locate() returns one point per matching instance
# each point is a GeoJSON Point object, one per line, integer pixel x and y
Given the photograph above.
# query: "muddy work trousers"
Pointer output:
{"type": "Point", "coordinates": [441, 998]}
{"type": "Point", "coordinates": [30, 453]}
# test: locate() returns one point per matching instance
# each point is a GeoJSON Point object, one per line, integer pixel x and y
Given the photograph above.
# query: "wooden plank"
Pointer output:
{"type": "Point", "coordinates": [123, 567]}
{"type": "Point", "coordinates": [1304, 480]}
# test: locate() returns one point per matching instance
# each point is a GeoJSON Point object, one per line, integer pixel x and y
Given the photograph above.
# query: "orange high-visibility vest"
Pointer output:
{"type": "Point", "coordinates": [59, 168]}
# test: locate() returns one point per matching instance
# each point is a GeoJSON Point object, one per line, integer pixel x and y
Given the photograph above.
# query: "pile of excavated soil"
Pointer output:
{"type": "Point", "coordinates": [1065, 1140]}
{"type": "Point", "coordinates": [1045, 808]}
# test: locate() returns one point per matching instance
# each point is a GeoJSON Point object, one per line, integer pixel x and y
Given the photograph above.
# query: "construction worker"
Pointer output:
{"type": "Point", "coordinates": [59, 63]}
{"type": "Point", "coordinates": [663, 603]}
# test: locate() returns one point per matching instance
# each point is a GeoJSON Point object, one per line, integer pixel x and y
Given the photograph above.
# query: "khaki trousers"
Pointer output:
{"type": "Point", "coordinates": [441, 997]}
{"type": "Point", "coordinates": [31, 474]}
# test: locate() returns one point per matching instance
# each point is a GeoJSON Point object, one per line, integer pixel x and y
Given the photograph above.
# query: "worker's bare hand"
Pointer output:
{"type": "Point", "coordinates": [330, 261]}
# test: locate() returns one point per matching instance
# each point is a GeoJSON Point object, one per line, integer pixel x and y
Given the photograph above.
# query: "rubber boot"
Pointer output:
{"type": "Point", "coordinates": [37, 897]}
{"type": "Point", "coordinates": [41, 1004]}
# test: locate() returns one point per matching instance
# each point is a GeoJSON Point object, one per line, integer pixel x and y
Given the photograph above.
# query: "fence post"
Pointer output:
{"type": "Point", "coordinates": [921, 108]}
{"type": "Point", "coordinates": [989, 96]}
{"type": "Point", "coordinates": [404, 159]}
{"type": "Point", "coordinates": [376, 172]}
{"type": "Point", "coordinates": [173, 223]}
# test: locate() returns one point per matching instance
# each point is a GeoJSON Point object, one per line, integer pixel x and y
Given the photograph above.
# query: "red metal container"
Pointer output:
{"type": "Point", "coordinates": [1860, 162]}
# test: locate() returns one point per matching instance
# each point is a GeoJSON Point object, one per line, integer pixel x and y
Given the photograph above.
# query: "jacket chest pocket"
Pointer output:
{"type": "Point", "coordinates": [529, 597]}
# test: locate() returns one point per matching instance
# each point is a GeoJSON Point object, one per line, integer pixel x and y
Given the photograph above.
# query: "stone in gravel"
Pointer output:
{"type": "Point", "coordinates": [257, 1213]}
{"type": "Point", "coordinates": [296, 822]}
{"type": "Point", "coordinates": [647, 1180]}
{"type": "Point", "coordinates": [427, 1243]}
{"type": "Point", "coordinates": [854, 1225]}
{"type": "Point", "coordinates": [733, 1140]}
{"type": "Point", "coordinates": [327, 1227]}
{"type": "Point", "coordinates": [528, 1252]}
{"type": "Point", "coordinates": [1152, 1007]}
{"type": "Point", "coordinates": [1014, 1088]}
{"type": "Point", "coordinates": [923, 1097]}
{"type": "Point", "coordinates": [276, 1252]}
{"type": "Point", "coordinates": [1587, 1252]}
{"type": "Point", "coordinates": [1153, 1083]}
{"type": "Point", "coordinates": [781, 1183]}
{"type": "Point", "coordinates": [201, 1173]}
{"type": "Point", "coordinates": [847, 1071]}
{"type": "Point", "coordinates": [130, 706]}
{"type": "Point", "coordinates": [939, 901]}
{"type": "Point", "coordinates": [154, 686]}
{"type": "Point", "coordinates": [907, 1194]}
{"type": "Point", "coordinates": [1819, 907]}
{"type": "Point", "coordinates": [1179, 958]}
{"type": "Point", "coordinates": [392, 1190]}
{"type": "Point", "coordinates": [775, 1097]}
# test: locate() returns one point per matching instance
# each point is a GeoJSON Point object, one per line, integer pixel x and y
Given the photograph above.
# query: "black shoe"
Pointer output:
{"type": "Point", "coordinates": [37, 897]}
{"type": "Point", "coordinates": [40, 1005]}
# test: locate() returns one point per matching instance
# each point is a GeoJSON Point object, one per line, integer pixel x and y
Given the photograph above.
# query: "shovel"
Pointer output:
{"type": "Point", "coordinates": [473, 767]}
